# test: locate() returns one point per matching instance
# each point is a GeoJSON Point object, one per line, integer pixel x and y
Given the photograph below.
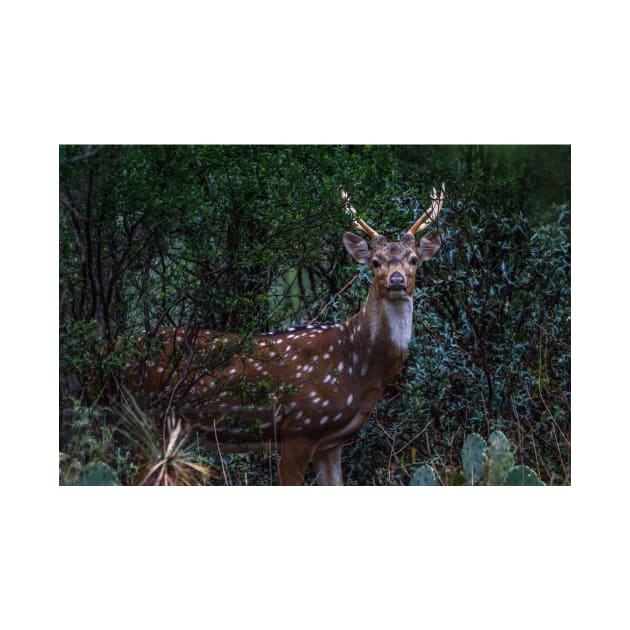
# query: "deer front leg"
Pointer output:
{"type": "Point", "coordinates": [295, 456]}
{"type": "Point", "coordinates": [328, 467]}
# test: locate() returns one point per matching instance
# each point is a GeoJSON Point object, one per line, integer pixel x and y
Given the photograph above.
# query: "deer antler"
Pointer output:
{"type": "Point", "coordinates": [358, 221]}
{"type": "Point", "coordinates": [430, 215]}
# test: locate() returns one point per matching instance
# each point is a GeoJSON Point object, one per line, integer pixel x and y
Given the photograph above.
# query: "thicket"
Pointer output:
{"type": "Point", "coordinates": [248, 239]}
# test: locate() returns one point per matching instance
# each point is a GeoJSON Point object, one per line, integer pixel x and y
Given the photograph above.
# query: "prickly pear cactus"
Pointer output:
{"type": "Point", "coordinates": [424, 476]}
{"type": "Point", "coordinates": [522, 476]}
{"type": "Point", "coordinates": [97, 474]}
{"type": "Point", "coordinates": [498, 445]}
{"type": "Point", "coordinates": [500, 459]}
{"type": "Point", "coordinates": [474, 458]}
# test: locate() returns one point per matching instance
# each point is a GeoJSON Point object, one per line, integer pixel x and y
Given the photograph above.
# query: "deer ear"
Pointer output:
{"type": "Point", "coordinates": [356, 247]}
{"type": "Point", "coordinates": [428, 245]}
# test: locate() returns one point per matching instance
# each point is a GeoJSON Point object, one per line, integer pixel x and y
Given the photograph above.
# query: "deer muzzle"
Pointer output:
{"type": "Point", "coordinates": [396, 282]}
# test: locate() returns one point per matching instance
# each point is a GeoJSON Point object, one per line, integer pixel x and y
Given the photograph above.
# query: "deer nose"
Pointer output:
{"type": "Point", "coordinates": [396, 282]}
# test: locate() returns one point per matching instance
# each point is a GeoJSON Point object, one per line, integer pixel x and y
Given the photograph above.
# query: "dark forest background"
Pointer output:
{"type": "Point", "coordinates": [247, 239]}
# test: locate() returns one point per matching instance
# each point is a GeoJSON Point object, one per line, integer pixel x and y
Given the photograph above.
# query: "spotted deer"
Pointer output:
{"type": "Point", "coordinates": [307, 389]}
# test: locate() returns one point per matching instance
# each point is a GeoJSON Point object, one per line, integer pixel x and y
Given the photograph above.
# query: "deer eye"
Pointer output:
{"type": "Point", "coordinates": [376, 264]}
{"type": "Point", "coordinates": [413, 260]}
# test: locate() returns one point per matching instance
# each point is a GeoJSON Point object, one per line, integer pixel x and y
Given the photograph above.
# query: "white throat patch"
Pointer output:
{"type": "Point", "coordinates": [399, 315]}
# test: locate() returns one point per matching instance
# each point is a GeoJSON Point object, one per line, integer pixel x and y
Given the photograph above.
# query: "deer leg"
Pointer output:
{"type": "Point", "coordinates": [296, 454]}
{"type": "Point", "coordinates": [328, 467]}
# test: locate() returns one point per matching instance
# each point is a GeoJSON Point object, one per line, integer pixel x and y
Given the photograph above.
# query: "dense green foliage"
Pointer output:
{"type": "Point", "coordinates": [248, 239]}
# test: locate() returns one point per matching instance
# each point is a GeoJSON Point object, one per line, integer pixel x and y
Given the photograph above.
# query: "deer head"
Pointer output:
{"type": "Point", "coordinates": [394, 265]}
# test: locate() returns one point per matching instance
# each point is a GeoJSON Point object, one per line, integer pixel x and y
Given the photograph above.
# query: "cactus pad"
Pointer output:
{"type": "Point", "coordinates": [97, 474]}
{"type": "Point", "coordinates": [474, 458]}
{"type": "Point", "coordinates": [500, 459]}
{"type": "Point", "coordinates": [424, 476]}
{"type": "Point", "coordinates": [522, 476]}
{"type": "Point", "coordinates": [497, 445]}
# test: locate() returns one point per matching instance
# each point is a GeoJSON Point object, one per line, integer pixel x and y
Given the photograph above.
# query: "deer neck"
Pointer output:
{"type": "Point", "coordinates": [388, 326]}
